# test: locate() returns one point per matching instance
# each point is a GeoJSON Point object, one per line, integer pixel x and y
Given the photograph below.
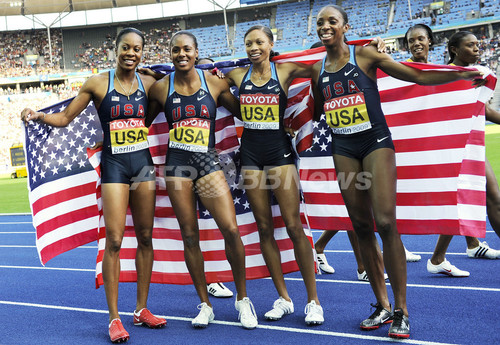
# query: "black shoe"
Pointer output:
{"type": "Point", "coordinates": [400, 327]}
{"type": "Point", "coordinates": [379, 317]}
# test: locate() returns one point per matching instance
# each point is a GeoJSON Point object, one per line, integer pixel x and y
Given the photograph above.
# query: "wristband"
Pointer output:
{"type": "Point", "coordinates": [214, 71]}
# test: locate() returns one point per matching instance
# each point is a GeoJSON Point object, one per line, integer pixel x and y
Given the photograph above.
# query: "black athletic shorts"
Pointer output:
{"type": "Point", "coordinates": [127, 168]}
{"type": "Point", "coordinates": [192, 165]}
{"type": "Point", "coordinates": [264, 154]}
{"type": "Point", "coordinates": [362, 144]}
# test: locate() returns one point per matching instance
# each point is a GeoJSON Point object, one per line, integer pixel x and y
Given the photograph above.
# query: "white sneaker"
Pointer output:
{"type": "Point", "coordinates": [314, 314]}
{"type": "Point", "coordinates": [446, 268]}
{"type": "Point", "coordinates": [410, 257]}
{"type": "Point", "coordinates": [219, 290]}
{"type": "Point", "coordinates": [363, 276]}
{"type": "Point", "coordinates": [280, 307]}
{"type": "Point", "coordinates": [205, 316]}
{"type": "Point", "coordinates": [247, 315]}
{"type": "Point", "coordinates": [483, 251]}
{"type": "Point", "coordinates": [323, 264]}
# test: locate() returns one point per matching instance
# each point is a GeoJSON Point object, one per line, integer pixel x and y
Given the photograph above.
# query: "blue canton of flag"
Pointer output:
{"type": "Point", "coordinates": [56, 152]}
{"type": "Point", "coordinates": [322, 140]}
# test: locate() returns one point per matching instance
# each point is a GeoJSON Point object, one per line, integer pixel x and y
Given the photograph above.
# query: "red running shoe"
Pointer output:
{"type": "Point", "coordinates": [145, 317]}
{"type": "Point", "coordinates": [117, 333]}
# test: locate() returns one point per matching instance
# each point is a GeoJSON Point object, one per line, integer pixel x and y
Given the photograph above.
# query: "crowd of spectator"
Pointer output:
{"type": "Point", "coordinates": [27, 53]}
{"type": "Point", "coordinates": [14, 101]}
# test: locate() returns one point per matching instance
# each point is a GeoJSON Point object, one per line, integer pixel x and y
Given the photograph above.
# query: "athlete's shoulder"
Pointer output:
{"type": "Point", "coordinates": [147, 80]}
{"type": "Point", "coordinates": [236, 75]}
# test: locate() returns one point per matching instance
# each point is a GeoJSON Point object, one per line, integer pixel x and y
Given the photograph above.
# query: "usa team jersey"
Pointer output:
{"type": "Point", "coordinates": [191, 119]}
{"type": "Point", "coordinates": [351, 98]}
{"type": "Point", "coordinates": [262, 107]}
{"type": "Point", "coordinates": [122, 119]}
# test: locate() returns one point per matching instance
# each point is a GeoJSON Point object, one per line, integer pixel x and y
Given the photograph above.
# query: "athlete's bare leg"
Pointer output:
{"type": "Point", "coordinates": [442, 244]}
{"type": "Point", "coordinates": [142, 205]}
{"type": "Point", "coordinates": [381, 164]}
{"type": "Point", "coordinates": [114, 206]}
{"type": "Point", "coordinates": [327, 235]}
{"type": "Point", "coordinates": [183, 199]}
{"type": "Point", "coordinates": [218, 201]}
{"type": "Point", "coordinates": [492, 198]}
{"type": "Point", "coordinates": [323, 240]}
{"type": "Point", "coordinates": [358, 203]}
{"type": "Point", "coordinates": [284, 183]}
{"type": "Point", "coordinates": [357, 253]}
{"type": "Point", "coordinates": [259, 198]}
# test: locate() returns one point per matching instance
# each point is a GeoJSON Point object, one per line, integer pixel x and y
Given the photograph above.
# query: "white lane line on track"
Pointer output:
{"type": "Point", "coordinates": [50, 268]}
{"type": "Point", "coordinates": [17, 232]}
{"type": "Point", "coordinates": [414, 252]}
{"type": "Point", "coordinates": [321, 231]}
{"type": "Point", "coordinates": [237, 324]}
{"type": "Point", "coordinates": [473, 288]}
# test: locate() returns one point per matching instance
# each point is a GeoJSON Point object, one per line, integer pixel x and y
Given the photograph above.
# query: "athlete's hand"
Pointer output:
{"type": "Point", "coordinates": [149, 71]}
{"type": "Point", "coordinates": [218, 73]}
{"type": "Point", "coordinates": [290, 132]}
{"type": "Point", "coordinates": [379, 43]}
{"type": "Point", "coordinates": [476, 76]}
{"type": "Point", "coordinates": [96, 145]}
{"type": "Point", "coordinates": [30, 115]}
{"type": "Point", "coordinates": [478, 82]}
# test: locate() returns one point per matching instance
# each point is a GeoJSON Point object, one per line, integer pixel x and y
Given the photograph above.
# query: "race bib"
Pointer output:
{"type": "Point", "coordinates": [347, 114]}
{"type": "Point", "coordinates": [128, 135]}
{"type": "Point", "coordinates": [190, 135]}
{"type": "Point", "coordinates": [260, 111]}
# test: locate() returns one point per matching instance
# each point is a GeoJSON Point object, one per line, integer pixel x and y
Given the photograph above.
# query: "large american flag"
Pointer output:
{"type": "Point", "coordinates": [425, 211]}
{"type": "Point", "coordinates": [438, 133]}
{"type": "Point", "coordinates": [61, 182]}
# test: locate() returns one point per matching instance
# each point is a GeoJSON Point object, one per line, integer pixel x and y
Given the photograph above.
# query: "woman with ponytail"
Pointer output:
{"type": "Point", "coordinates": [267, 161]}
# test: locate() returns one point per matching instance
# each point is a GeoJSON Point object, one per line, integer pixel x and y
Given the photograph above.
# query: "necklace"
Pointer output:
{"type": "Point", "coordinates": [262, 75]}
{"type": "Point", "coordinates": [131, 86]}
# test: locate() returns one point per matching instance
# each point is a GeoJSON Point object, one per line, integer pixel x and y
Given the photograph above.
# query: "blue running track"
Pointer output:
{"type": "Point", "coordinates": [58, 303]}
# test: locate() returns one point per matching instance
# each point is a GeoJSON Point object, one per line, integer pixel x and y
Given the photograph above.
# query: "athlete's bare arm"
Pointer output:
{"type": "Point", "coordinates": [222, 94]}
{"type": "Point", "coordinates": [318, 97]}
{"type": "Point", "coordinates": [93, 89]}
{"type": "Point", "coordinates": [235, 76]}
{"type": "Point", "coordinates": [157, 96]}
{"type": "Point", "coordinates": [492, 115]}
{"type": "Point", "coordinates": [369, 60]}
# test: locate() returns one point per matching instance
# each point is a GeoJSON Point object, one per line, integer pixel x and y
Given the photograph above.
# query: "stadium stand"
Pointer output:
{"type": "Point", "coordinates": [25, 61]}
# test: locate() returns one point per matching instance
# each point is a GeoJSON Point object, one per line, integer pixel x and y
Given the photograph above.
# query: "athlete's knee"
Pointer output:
{"type": "Point", "coordinates": [386, 227]}
{"type": "Point", "coordinates": [191, 239]}
{"type": "Point", "coordinates": [231, 233]}
{"type": "Point", "coordinates": [113, 244]}
{"type": "Point", "coordinates": [266, 232]}
{"type": "Point", "coordinates": [362, 225]}
{"type": "Point", "coordinates": [295, 232]}
{"type": "Point", "coordinates": [144, 238]}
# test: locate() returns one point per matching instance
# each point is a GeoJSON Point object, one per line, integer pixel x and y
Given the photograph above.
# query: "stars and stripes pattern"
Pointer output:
{"type": "Point", "coordinates": [438, 133]}
{"type": "Point", "coordinates": [61, 182]}
{"type": "Point", "coordinates": [440, 158]}
{"type": "Point", "coordinates": [169, 266]}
